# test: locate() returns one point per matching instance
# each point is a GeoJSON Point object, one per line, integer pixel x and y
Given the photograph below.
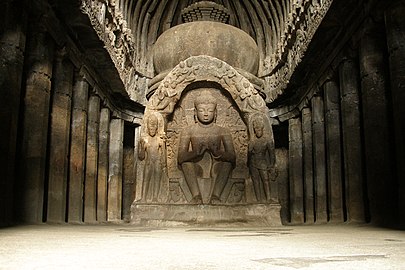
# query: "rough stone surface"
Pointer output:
{"type": "Point", "coordinates": [308, 165]}
{"type": "Point", "coordinates": [282, 182]}
{"type": "Point", "coordinates": [320, 180]}
{"type": "Point", "coordinates": [395, 29]}
{"type": "Point", "coordinates": [129, 167]}
{"type": "Point", "coordinates": [59, 139]}
{"type": "Point", "coordinates": [333, 151]}
{"type": "Point", "coordinates": [382, 193]}
{"type": "Point", "coordinates": [352, 149]}
{"type": "Point", "coordinates": [203, 127]}
{"type": "Point", "coordinates": [102, 173]}
{"type": "Point", "coordinates": [295, 171]}
{"type": "Point", "coordinates": [206, 215]}
{"type": "Point", "coordinates": [35, 126]}
{"type": "Point", "coordinates": [12, 48]}
{"type": "Point", "coordinates": [78, 149]}
{"type": "Point", "coordinates": [219, 40]}
{"type": "Point", "coordinates": [114, 201]}
{"type": "Point", "coordinates": [90, 184]}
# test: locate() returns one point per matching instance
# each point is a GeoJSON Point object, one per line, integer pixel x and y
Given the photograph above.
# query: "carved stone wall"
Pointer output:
{"type": "Point", "coordinates": [238, 102]}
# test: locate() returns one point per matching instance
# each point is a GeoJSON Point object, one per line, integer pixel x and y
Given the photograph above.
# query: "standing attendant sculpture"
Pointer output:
{"type": "Point", "coordinates": [152, 150]}
{"type": "Point", "coordinates": [206, 137]}
{"type": "Point", "coordinates": [261, 159]}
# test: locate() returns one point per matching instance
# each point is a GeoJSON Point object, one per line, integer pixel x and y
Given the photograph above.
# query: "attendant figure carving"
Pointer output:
{"type": "Point", "coordinates": [261, 159]}
{"type": "Point", "coordinates": [204, 138]}
{"type": "Point", "coordinates": [251, 101]}
{"type": "Point", "coordinates": [163, 101]}
{"type": "Point", "coordinates": [152, 149]}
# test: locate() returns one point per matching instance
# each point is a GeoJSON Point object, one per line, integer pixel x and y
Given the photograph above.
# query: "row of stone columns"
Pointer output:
{"type": "Point", "coordinates": [71, 166]}
{"type": "Point", "coordinates": [324, 155]}
{"type": "Point", "coordinates": [346, 150]}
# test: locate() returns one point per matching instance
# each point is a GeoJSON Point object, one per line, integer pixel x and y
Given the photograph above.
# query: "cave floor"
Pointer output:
{"type": "Point", "coordinates": [127, 247]}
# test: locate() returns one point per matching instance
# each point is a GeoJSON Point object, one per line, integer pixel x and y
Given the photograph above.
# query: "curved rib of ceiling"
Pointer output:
{"type": "Point", "coordinates": [264, 20]}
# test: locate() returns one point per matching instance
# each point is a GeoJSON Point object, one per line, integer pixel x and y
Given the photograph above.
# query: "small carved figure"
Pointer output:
{"type": "Point", "coordinates": [206, 137]}
{"type": "Point", "coordinates": [163, 102]}
{"type": "Point", "coordinates": [109, 31]}
{"type": "Point", "coordinates": [261, 159]}
{"type": "Point", "coordinates": [101, 13]}
{"type": "Point", "coordinates": [251, 101]}
{"type": "Point", "coordinates": [152, 150]}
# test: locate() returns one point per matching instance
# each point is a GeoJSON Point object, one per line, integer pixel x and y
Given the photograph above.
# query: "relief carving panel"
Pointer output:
{"type": "Point", "coordinates": [203, 125]}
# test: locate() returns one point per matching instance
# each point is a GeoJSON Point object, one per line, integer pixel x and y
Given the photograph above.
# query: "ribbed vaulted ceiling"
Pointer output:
{"type": "Point", "coordinates": [266, 21]}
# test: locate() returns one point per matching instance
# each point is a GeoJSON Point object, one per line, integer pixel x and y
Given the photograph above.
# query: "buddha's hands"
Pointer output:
{"type": "Point", "coordinates": [202, 147]}
{"type": "Point", "coordinates": [215, 149]}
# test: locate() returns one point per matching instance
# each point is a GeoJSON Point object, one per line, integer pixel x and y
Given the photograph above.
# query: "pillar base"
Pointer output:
{"type": "Point", "coordinates": [205, 215]}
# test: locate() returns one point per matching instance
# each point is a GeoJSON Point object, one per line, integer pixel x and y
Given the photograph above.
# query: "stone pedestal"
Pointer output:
{"type": "Point", "coordinates": [205, 215]}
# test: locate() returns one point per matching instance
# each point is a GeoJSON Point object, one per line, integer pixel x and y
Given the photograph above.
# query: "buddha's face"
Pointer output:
{"type": "Point", "coordinates": [152, 128]}
{"type": "Point", "coordinates": [206, 113]}
{"type": "Point", "coordinates": [258, 128]}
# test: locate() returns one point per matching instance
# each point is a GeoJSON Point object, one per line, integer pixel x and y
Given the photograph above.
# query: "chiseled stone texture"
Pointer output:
{"type": "Point", "coordinates": [197, 129]}
{"type": "Point", "coordinates": [219, 40]}
{"type": "Point", "coordinates": [238, 103]}
{"type": "Point", "coordinates": [206, 215]}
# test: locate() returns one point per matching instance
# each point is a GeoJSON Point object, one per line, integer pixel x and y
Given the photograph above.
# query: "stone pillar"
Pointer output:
{"type": "Point", "coordinates": [395, 28]}
{"type": "Point", "coordinates": [128, 171]}
{"type": "Point", "coordinates": [35, 124]}
{"type": "Point", "coordinates": [333, 151]}
{"type": "Point", "coordinates": [90, 183]}
{"type": "Point", "coordinates": [282, 180]}
{"type": "Point", "coordinates": [382, 190]}
{"type": "Point", "coordinates": [12, 47]}
{"type": "Point", "coordinates": [136, 144]}
{"type": "Point", "coordinates": [320, 184]}
{"type": "Point", "coordinates": [78, 149]}
{"type": "Point", "coordinates": [102, 177]}
{"type": "Point", "coordinates": [295, 171]}
{"type": "Point", "coordinates": [59, 138]}
{"type": "Point", "coordinates": [308, 165]}
{"type": "Point", "coordinates": [115, 170]}
{"type": "Point", "coordinates": [352, 148]}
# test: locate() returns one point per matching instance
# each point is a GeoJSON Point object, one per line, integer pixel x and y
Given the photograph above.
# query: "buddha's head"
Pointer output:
{"type": "Point", "coordinates": [152, 125]}
{"type": "Point", "coordinates": [205, 107]}
{"type": "Point", "coordinates": [258, 127]}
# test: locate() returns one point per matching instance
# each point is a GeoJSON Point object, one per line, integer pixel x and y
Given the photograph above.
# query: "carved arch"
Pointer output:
{"type": "Point", "coordinates": [211, 69]}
